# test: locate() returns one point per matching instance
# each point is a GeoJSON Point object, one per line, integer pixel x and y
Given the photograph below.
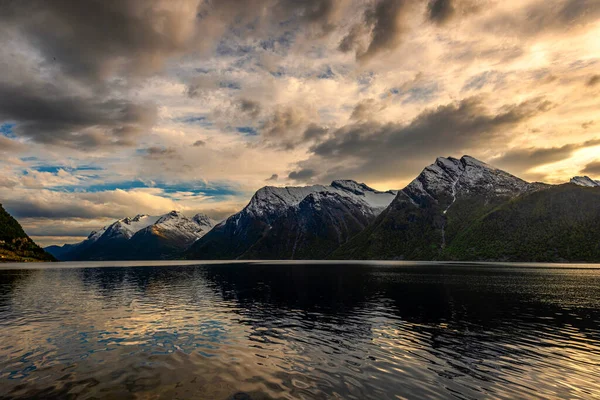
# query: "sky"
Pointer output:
{"type": "Point", "coordinates": [121, 107]}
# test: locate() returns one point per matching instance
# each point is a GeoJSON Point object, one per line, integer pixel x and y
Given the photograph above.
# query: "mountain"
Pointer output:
{"type": "Point", "coordinates": [585, 181]}
{"type": "Point", "coordinates": [15, 245]}
{"type": "Point", "coordinates": [436, 208]}
{"type": "Point", "coordinates": [294, 222]}
{"type": "Point", "coordinates": [558, 224]}
{"type": "Point", "coordinates": [142, 237]}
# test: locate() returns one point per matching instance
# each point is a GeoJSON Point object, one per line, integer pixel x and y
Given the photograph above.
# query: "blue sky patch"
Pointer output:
{"type": "Point", "coordinates": [53, 169]}
{"type": "Point", "coordinates": [217, 189]}
{"type": "Point", "coordinates": [230, 85]}
{"type": "Point", "coordinates": [247, 130]}
{"type": "Point", "coordinates": [6, 129]}
{"type": "Point", "coordinates": [327, 74]}
{"type": "Point", "coordinates": [421, 93]}
{"type": "Point", "coordinates": [194, 120]}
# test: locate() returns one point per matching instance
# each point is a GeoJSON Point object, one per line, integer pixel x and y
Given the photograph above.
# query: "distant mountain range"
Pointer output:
{"type": "Point", "coordinates": [15, 245]}
{"type": "Point", "coordinates": [142, 237]}
{"type": "Point", "coordinates": [456, 209]}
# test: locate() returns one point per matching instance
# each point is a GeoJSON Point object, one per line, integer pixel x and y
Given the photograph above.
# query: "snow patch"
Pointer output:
{"type": "Point", "coordinates": [585, 181]}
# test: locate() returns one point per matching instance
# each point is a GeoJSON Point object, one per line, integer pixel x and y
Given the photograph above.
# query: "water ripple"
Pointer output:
{"type": "Point", "coordinates": [293, 331]}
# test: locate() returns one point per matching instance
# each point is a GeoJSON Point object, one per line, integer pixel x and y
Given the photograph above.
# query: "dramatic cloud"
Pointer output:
{"type": "Point", "coordinates": [593, 81]}
{"type": "Point", "coordinates": [370, 149]}
{"type": "Point", "coordinates": [522, 160]}
{"type": "Point", "coordinates": [382, 29]}
{"type": "Point", "coordinates": [48, 115]}
{"type": "Point", "coordinates": [8, 145]}
{"type": "Point", "coordinates": [159, 152]}
{"type": "Point", "coordinates": [72, 34]}
{"type": "Point", "coordinates": [285, 126]}
{"type": "Point", "coordinates": [250, 107]}
{"type": "Point", "coordinates": [441, 11]}
{"type": "Point", "coordinates": [302, 175]}
{"type": "Point", "coordinates": [273, 178]}
{"type": "Point", "coordinates": [592, 169]}
{"type": "Point", "coordinates": [543, 16]}
{"type": "Point", "coordinates": [366, 109]}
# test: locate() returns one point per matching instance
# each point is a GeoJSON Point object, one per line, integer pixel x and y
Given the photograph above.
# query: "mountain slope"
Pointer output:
{"type": "Point", "coordinates": [557, 224]}
{"type": "Point", "coordinates": [425, 217]}
{"type": "Point", "coordinates": [294, 222]}
{"type": "Point", "coordinates": [140, 238]}
{"type": "Point", "coordinates": [15, 245]}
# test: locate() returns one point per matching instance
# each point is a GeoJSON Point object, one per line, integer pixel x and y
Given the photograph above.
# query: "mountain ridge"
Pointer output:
{"type": "Point", "coordinates": [276, 222]}
{"type": "Point", "coordinates": [431, 217]}
{"type": "Point", "coordinates": [440, 215]}
{"type": "Point", "coordinates": [141, 237]}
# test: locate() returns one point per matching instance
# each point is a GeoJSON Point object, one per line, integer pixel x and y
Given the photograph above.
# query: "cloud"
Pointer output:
{"type": "Point", "coordinates": [522, 160]}
{"type": "Point", "coordinates": [283, 129]}
{"type": "Point", "coordinates": [440, 11]}
{"type": "Point", "coordinates": [314, 132]}
{"type": "Point", "coordinates": [250, 107]}
{"type": "Point", "coordinates": [7, 182]}
{"type": "Point", "coordinates": [156, 152]}
{"type": "Point", "coordinates": [372, 150]}
{"type": "Point", "coordinates": [199, 143]}
{"type": "Point", "coordinates": [592, 169]}
{"type": "Point", "coordinates": [542, 17]}
{"type": "Point", "coordinates": [142, 34]}
{"type": "Point", "coordinates": [366, 109]}
{"type": "Point", "coordinates": [47, 114]}
{"type": "Point", "coordinates": [387, 20]}
{"type": "Point", "coordinates": [273, 178]}
{"type": "Point", "coordinates": [587, 124]}
{"type": "Point", "coordinates": [322, 15]}
{"type": "Point", "coordinates": [115, 204]}
{"type": "Point", "coordinates": [593, 81]}
{"type": "Point", "coordinates": [302, 175]}
{"type": "Point", "coordinates": [9, 146]}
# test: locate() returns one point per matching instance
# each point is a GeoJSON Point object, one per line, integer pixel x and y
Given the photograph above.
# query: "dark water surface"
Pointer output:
{"type": "Point", "coordinates": [293, 331]}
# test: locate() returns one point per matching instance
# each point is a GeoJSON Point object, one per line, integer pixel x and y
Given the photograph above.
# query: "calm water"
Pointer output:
{"type": "Point", "coordinates": [293, 331]}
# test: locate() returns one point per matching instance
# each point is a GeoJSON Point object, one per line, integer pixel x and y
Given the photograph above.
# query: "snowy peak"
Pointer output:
{"type": "Point", "coordinates": [174, 222]}
{"type": "Point", "coordinates": [352, 186]}
{"type": "Point", "coordinates": [585, 181]}
{"type": "Point", "coordinates": [449, 178]}
{"type": "Point", "coordinates": [271, 200]}
{"type": "Point", "coordinates": [173, 215]}
{"type": "Point", "coordinates": [203, 220]}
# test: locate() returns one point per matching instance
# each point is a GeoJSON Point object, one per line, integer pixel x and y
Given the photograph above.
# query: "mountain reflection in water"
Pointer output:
{"type": "Point", "coordinates": [293, 330]}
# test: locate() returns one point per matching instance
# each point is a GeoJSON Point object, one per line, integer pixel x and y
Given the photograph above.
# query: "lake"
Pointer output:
{"type": "Point", "coordinates": [299, 330]}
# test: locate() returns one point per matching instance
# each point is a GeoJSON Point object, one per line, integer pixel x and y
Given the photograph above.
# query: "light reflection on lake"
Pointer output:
{"type": "Point", "coordinates": [299, 330]}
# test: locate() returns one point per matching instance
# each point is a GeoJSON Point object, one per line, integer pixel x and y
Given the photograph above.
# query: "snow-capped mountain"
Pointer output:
{"type": "Point", "coordinates": [123, 228]}
{"type": "Point", "coordinates": [585, 181]}
{"type": "Point", "coordinates": [140, 237]}
{"type": "Point", "coordinates": [294, 222]}
{"type": "Point", "coordinates": [449, 178]}
{"type": "Point", "coordinates": [429, 212]}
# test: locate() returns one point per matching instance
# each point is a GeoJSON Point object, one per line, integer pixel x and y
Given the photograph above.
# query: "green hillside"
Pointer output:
{"type": "Point", "coordinates": [561, 223]}
{"type": "Point", "coordinates": [15, 245]}
{"type": "Point", "coordinates": [558, 224]}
